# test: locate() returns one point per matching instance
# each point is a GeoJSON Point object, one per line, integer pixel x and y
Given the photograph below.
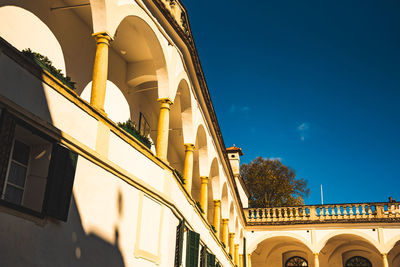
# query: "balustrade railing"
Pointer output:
{"type": "Point", "coordinates": [324, 213]}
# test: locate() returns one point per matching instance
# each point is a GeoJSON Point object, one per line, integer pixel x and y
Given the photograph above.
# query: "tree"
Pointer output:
{"type": "Point", "coordinates": [272, 184]}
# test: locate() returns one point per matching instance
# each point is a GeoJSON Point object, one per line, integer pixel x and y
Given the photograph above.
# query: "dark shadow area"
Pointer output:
{"type": "Point", "coordinates": [27, 243]}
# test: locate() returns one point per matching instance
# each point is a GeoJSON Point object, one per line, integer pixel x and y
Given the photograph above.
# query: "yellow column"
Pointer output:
{"type": "Point", "coordinates": [188, 167]}
{"type": "Point", "coordinates": [240, 260]}
{"type": "Point", "coordinates": [231, 238]}
{"type": "Point", "coordinates": [217, 216]}
{"type": "Point", "coordinates": [316, 260]}
{"type": "Point", "coordinates": [100, 70]}
{"type": "Point", "coordinates": [236, 256]}
{"type": "Point", "coordinates": [224, 233]}
{"type": "Point", "coordinates": [385, 260]}
{"type": "Point", "coordinates": [203, 194]}
{"type": "Point", "coordinates": [248, 260]}
{"type": "Point", "coordinates": [163, 128]}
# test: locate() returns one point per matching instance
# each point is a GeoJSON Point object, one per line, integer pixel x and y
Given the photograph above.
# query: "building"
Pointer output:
{"type": "Point", "coordinates": [111, 154]}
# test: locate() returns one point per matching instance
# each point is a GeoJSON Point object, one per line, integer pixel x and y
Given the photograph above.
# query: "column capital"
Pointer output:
{"type": "Point", "coordinates": [236, 245]}
{"type": "Point", "coordinates": [384, 255]}
{"type": "Point", "coordinates": [316, 254]}
{"type": "Point", "coordinates": [165, 102]}
{"type": "Point", "coordinates": [102, 37]}
{"type": "Point", "coordinates": [204, 179]}
{"type": "Point", "coordinates": [189, 147]}
{"type": "Point", "coordinates": [217, 203]}
{"type": "Point", "coordinates": [225, 221]}
{"type": "Point", "coordinates": [231, 235]}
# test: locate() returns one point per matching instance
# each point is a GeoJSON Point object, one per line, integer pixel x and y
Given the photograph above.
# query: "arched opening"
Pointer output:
{"type": "Point", "coordinates": [280, 251]}
{"type": "Point", "coordinates": [116, 106]}
{"type": "Point", "coordinates": [231, 218]}
{"type": "Point", "coordinates": [394, 255]}
{"type": "Point", "coordinates": [137, 67]}
{"type": "Point", "coordinates": [339, 249]}
{"type": "Point", "coordinates": [213, 189]}
{"type": "Point", "coordinates": [180, 127]}
{"type": "Point", "coordinates": [24, 30]}
{"type": "Point", "coordinates": [33, 25]}
{"type": "Point", "coordinates": [200, 162]}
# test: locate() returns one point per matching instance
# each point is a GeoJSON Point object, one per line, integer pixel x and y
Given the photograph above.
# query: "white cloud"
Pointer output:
{"type": "Point", "coordinates": [303, 129]}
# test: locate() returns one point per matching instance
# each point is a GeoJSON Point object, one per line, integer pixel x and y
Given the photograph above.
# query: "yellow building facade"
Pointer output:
{"type": "Point", "coordinates": [123, 163]}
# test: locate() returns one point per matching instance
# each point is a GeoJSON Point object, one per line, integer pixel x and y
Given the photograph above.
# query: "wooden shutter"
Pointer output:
{"type": "Point", "coordinates": [210, 260]}
{"type": "Point", "coordinates": [59, 182]}
{"type": "Point", "coordinates": [7, 128]}
{"type": "Point", "coordinates": [180, 230]}
{"type": "Point", "coordinates": [203, 257]}
{"type": "Point", "coordinates": [192, 249]}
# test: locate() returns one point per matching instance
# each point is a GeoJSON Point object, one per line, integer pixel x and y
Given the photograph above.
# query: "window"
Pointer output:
{"type": "Point", "coordinates": [296, 262]}
{"type": "Point", "coordinates": [36, 173]}
{"type": "Point", "coordinates": [192, 249]}
{"type": "Point", "coordinates": [358, 261]}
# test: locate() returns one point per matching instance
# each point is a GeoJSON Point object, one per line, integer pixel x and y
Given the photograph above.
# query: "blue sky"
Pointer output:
{"type": "Point", "coordinates": [315, 83]}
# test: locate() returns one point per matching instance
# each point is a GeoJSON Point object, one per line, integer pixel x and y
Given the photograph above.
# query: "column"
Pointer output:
{"type": "Point", "coordinates": [224, 235]}
{"type": "Point", "coordinates": [385, 260]}
{"type": "Point", "coordinates": [100, 70]}
{"type": "Point", "coordinates": [203, 194]}
{"type": "Point", "coordinates": [217, 216]}
{"type": "Point", "coordinates": [231, 248]}
{"type": "Point", "coordinates": [163, 128]}
{"type": "Point", "coordinates": [188, 167]}
{"type": "Point", "coordinates": [248, 260]}
{"type": "Point", "coordinates": [316, 260]}
{"type": "Point", "coordinates": [240, 260]}
{"type": "Point", "coordinates": [236, 256]}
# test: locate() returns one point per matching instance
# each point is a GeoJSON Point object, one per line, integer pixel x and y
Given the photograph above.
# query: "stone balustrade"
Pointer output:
{"type": "Point", "coordinates": [362, 212]}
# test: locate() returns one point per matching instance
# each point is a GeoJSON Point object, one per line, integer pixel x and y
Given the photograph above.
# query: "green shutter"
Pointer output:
{"type": "Point", "coordinates": [180, 230]}
{"type": "Point", "coordinates": [60, 182]}
{"type": "Point", "coordinates": [210, 260]}
{"type": "Point", "coordinates": [203, 257]}
{"type": "Point", "coordinates": [7, 128]}
{"type": "Point", "coordinates": [192, 249]}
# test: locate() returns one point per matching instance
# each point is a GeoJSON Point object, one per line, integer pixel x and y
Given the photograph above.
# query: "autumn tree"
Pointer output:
{"type": "Point", "coordinates": [272, 184]}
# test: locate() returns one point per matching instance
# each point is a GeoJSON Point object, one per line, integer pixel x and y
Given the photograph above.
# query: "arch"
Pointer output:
{"type": "Point", "coordinates": [322, 243]}
{"type": "Point", "coordinates": [273, 249]}
{"type": "Point", "coordinates": [200, 161]}
{"type": "Point", "coordinates": [136, 41]}
{"type": "Point", "coordinates": [237, 237]}
{"type": "Point", "coordinates": [25, 30]}
{"type": "Point", "coordinates": [224, 204]}
{"type": "Point", "coordinates": [267, 236]}
{"type": "Point", "coordinates": [137, 66]}
{"type": "Point", "coordinates": [231, 218]}
{"type": "Point", "coordinates": [212, 189]}
{"type": "Point", "coordinates": [392, 243]}
{"type": "Point", "coordinates": [180, 127]}
{"type": "Point", "coordinates": [116, 106]}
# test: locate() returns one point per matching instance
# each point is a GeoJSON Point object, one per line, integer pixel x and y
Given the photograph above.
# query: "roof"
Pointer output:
{"type": "Point", "coordinates": [233, 149]}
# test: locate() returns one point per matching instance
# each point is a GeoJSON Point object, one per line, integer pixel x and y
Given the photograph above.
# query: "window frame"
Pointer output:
{"type": "Point", "coordinates": [358, 256]}
{"type": "Point", "coordinates": [296, 257]}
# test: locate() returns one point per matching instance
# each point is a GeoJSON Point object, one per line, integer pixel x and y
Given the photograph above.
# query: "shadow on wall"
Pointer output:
{"type": "Point", "coordinates": [53, 243]}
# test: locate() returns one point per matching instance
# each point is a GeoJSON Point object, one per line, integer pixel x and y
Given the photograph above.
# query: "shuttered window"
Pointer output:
{"type": "Point", "coordinates": [29, 180]}
{"type": "Point", "coordinates": [210, 260]}
{"type": "Point", "coordinates": [180, 230]}
{"type": "Point", "coordinates": [192, 249]}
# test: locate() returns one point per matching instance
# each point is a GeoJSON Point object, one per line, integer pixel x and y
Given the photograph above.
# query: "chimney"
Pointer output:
{"type": "Point", "coordinates": [234, 154]}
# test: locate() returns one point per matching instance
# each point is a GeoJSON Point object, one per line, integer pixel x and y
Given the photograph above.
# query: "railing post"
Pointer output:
{"type": "Point", "coordinates": [313, 213]}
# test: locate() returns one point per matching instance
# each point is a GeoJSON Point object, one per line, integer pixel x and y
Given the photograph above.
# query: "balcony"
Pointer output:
{"type": "Point", "coordinates": [320, 214]}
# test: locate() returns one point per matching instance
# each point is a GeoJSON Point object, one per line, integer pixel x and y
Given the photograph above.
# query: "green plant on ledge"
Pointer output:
{"type": "Point", "coordinates": [213, 228]}
{"type": "Point", "coordinates": [45, 63]}
{"type": "Point", "coordinates": [199, 206]}
{"type": "Point", "coordinates": [129, 127]}
{"type": "Point", "coordinates": [177, 173]}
